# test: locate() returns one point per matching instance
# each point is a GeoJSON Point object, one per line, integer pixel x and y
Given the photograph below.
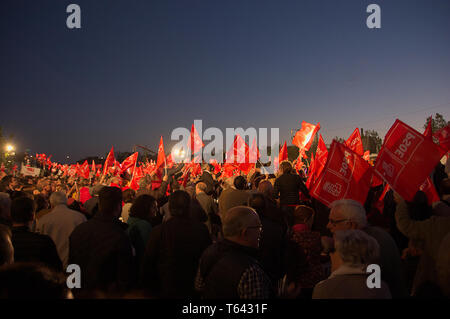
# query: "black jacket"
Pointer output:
{"type": "Point", "coordinates": [34, 247]}
{"type": "Point", "coordinates": [103, 251]}
{"type": "Point", "coordinates": [287, 187]}
{"type": "Point", "coordinates": [171, 257]}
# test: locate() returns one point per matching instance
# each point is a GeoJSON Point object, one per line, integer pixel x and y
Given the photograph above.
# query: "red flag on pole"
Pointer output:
{"type": "Point", "coordinates": [238, 155]}
{"type": "Point", "coordinates": [195, 142]}
{"type": "Point", "coordinates": [161, 156]}
{"type": "Point", "coordinates": [406, 159]}
{"type": "Point", "coordinates": [169, 161]}
{"type": "Point", "coordinates": [109, 162]}
{"type": "Point", "coordinates": [305, 136]}
{"type": "Point", "coordinates": [319, 162]}
{"type": "Point", "coordinates": [428, 131]}
{"type": "Point", "coordinates": [354, 142]}
{"type": "Point", "coordinates": [345, 176]}
{"type": "Point", "coordinates": [129, 162]}
{"type": "Point", "coordinates": [93, 166]}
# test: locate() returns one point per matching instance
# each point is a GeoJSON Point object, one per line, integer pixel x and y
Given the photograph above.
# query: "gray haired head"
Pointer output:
{"type": "Point", "coordinates": [352, 210]}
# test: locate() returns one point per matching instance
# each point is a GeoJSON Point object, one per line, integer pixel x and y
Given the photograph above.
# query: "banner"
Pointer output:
{"type": "Point", "coordinates": [406, 159]}
{"type": "Point", "coordinates": [30, 171]}
{"type": "Point", "coordinates": [346, 175]}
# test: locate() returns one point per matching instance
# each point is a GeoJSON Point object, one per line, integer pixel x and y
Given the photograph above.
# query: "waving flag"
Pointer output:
{"type": "Point", "coordinates": [345, 175]}
{"type": "Point", "coordinates": [84, 170]}
{"type": "Point", "coordinates": [129, 162]}
{"type": "Point", "coordinates": [195, 142]}
{"type": "Point", "coordinates": [305, 136]}
{"type": "Point", "coordinates": [217, 167]}
{"type": "Point", "coordinates": [238, 156]}
{"type": "Point", "coordinates": [428, 131]}
{"type": "Point", "coordinates": [93, 166]}
{"type": "Point", "coordinates": [406, 159]}
{"type": "Point", "coordinates": [161, 156]}
{"type": "Point", "coordinates": [354, 142]}
{"type": "Point", "coordinates": [109, 162]}
{"type": "Point", "coordinates": [319, 162]}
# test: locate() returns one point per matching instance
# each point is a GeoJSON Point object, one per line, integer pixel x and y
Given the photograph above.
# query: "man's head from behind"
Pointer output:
{"type": "Point", "coordinates": [240, 182]}
{"type": "Point", "coordinates": [58, 198]}
{"type": "Point", "coordinates": [241, 224]}
{"type": "Point", "coordinates": [346, 214]}
{"type": "Point", "coordinates": [110, 201]}
{"type": "Point", "coordinates": [179, 204]}
{"type": "Point", "coordinates": [200, 188]}
{"type": "Point", "coordinates": [22, 211]}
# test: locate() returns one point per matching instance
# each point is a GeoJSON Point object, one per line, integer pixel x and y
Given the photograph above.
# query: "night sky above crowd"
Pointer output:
{"type": "Point", "coordinates": [138, 69]}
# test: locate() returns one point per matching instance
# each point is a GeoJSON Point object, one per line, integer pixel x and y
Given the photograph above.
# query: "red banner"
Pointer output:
{"type": "Point", "coordinates": [346, 175]}
{"type": "Point", "coordinates": [406, 159]}
{"type": "Point", "coordinates": [354, 142]}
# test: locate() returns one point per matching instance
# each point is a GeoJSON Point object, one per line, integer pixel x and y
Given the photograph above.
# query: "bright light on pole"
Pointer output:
{"type": "Point", "coordinates": [9, 148]}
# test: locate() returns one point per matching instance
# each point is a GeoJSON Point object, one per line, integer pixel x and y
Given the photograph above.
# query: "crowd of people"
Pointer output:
{"type": "Point", "coordinates": [253, 236]}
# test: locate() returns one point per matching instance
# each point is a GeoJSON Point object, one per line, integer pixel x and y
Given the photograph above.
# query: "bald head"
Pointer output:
{"type": "Point", "coordinates": [237, 219]}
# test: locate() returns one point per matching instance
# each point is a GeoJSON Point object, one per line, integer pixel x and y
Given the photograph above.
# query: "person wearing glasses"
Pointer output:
{"type": "Point", "coordinates": [355, 250]}
{"type": "Point", "coordinates": [229, 267]}
{"type": "Point", "coordinates": [349, 214]}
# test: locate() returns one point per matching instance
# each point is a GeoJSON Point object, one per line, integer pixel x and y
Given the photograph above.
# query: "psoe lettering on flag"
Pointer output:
{"type": "Point", "coordinates": [406, 159]}
{"type": "Point", "coordinates": [346, 175]}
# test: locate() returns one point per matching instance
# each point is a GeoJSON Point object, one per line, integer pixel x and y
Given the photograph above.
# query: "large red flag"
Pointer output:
{"type": "Point", "coordinates": [161, 156]}
{"type": "Point", "coordinates": [406, 159]}
{"type": "Point", "coordinates": [345, 176]}
{"type": "Point", "coordinates": [305, 136]}
{"type": "Point", "coordinates": [129, 162]}
{"type": "Point", "coordinates": [195, 142]}
{"type": "Point", "coordinates": [109, 162]}
{"type": "Point", "coordinates": [354, 142]}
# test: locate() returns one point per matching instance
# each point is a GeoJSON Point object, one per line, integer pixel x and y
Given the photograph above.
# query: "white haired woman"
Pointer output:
{"type": "Point", "coordinates": [355, 250]}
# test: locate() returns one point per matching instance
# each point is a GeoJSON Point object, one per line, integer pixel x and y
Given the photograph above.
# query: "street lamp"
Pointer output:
{"type": "Point", "coordinates": [9, 148]}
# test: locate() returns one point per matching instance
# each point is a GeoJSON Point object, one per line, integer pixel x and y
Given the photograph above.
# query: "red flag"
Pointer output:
{"type": "Point", "coordinates": [195, 142]}
{"type": "Point", "coordinates": [428, 131]}
{"type": "Point", "coordinates": [169, 161]}
{"type": "Point", "coordinates": [217, 167]}
{"type": "Point", "coordinates": [376, 181]}
{"type": "Point", "coordinates": [93, 166]}
{"type": "Point", "coordinates": [354, 142]}
{"type": "Point", "coordinates": [238, 155]}
{"type": "Point", "coordinates": [305, 136]}
{"type": "Point", "coordinates": [161, 156]}
{"type": "Point", "coordinates": [380, 202]}
{"type": "Point", "coordinates": [345, 176]}
{"type": "Point", "coordinates": [428, 188]}
{"type": "Point", "coordinates": [283, 156]}
{"type": "Point", "coordinates": [109, 162]}
{"type": "Point", "coordinates": [83, 170]}
{"type": "Point", "coordinates": [406, 159]}
{"type": "Point", "coordinates": [319, 162]}
{"type": "Point", "coordinates": [443, 136]}
{"type": "Point", "coordinates": [137, 175]}
{"type": "Point", "coordinates": [129, 162]}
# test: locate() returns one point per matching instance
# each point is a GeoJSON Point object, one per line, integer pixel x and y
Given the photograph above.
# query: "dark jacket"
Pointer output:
{"type": "Point", "coordinates": [287, 187]}
{"type": "Point", "coordinates": [171, 257]}
{"type": "Point", "coordinates": [222, 268]}
{"type": "Point", "coordinates": [103, 251]}
{"type": "Point", "coordinates": [34, 247]}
